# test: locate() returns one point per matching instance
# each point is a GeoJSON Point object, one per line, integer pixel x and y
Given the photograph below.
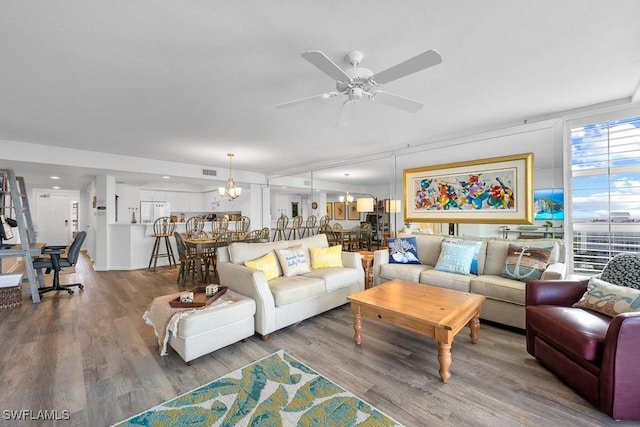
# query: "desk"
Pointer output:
{"type": "Point", "coordinates": [199, 245]}
{"type": "Point", "coordinates": [16, 251]}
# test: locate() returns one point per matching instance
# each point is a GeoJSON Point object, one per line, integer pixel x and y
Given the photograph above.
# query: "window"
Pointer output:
{"type": "Point", "coordinates": [605, 192]}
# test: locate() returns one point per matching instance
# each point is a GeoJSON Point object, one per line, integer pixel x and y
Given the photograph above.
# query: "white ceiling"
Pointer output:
{"type": "Point", "coordinates": [189, 81]}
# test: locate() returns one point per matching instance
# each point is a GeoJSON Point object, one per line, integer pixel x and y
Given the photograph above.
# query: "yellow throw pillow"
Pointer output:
{"type": "Point", "coordinates": [326, 257]}
{"type": "Point", "coordinates": [267, 264]}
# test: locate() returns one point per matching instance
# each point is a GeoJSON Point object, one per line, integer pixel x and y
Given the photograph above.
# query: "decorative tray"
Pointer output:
{"type": "Point", "coordinates": [200, 299]}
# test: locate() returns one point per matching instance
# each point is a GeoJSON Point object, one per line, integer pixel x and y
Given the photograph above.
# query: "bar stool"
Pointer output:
{"type": "Point", "coordinates": [296, 226]}
{"type": "Point", "coordinates": [309, 228]}
{"type": "Point", "coordinates": [281, 226]}
{"type": "Point", "coordinates": [163, 228]}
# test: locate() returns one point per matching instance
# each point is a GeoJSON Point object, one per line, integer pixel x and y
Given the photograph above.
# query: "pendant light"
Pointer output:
{"type": "Point", "coordinates": [230, 191]}
{"type": "Point", "coordinates": [347, 197]}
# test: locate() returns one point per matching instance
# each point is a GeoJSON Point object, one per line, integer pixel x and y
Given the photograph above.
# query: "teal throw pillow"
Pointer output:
{"type": "Point", "coordinates": [476, 252]}
{"type": "Point", "coordinates": [455, 258]}
{"type": "Point", "coordinates": [526, 263]}
{"type": "Point", "coordinates": [403, 251]}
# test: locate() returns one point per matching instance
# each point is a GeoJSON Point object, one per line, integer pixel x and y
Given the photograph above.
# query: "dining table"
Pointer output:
{"type": "Point", "coordinates": [200, 245]}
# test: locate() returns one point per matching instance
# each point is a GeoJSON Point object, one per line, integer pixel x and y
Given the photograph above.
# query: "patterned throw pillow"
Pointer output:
{"type": "Point", "coordinates": [326, 257]}
{"type": "Point", "coordinates": [455, 258]}
{"type": "Point", "coordinates": [609, 299]}
{"type": "Point", "coordinates": [293, 260]}
{"type": "Point", "coordinates": [526, 262]}
{"type": "Point", "coordinates": [476, 252]}
{"type": "Point", "coordinates": [267, 264]}
{"type": "Point", "coordinates": [623, 270]}
{"type": "Point", "coordinates": [403, 251]}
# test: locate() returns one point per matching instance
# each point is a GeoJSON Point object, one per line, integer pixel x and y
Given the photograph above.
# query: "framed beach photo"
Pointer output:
{"type": "Point", "coordinates": [548, 204]}
{"type": "Point", "coordinates": [492, 190]}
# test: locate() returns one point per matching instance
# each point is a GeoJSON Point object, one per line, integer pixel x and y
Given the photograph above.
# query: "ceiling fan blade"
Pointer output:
{"type": "Point", "coordinates": [326, 65]}
{"type": "Point", "coordinates": [417, 63]}
{"type": "Point", "coordinates": [307, 99]}
{"type": "Point", "coordinates": [397, 101]}
{"type": "Point", "coordinates": [346, 113]}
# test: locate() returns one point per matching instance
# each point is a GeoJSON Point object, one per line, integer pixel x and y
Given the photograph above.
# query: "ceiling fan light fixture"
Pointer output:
{"type": "Point", "coordinates": [355, 82]}
{"type": "Point", "coordinates": [230, 191]}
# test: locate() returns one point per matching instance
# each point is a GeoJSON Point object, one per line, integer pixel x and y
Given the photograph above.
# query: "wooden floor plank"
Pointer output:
{"type": "Point", "coordinates": [92, 354]}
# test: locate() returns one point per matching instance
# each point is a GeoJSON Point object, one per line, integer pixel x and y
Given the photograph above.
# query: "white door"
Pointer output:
{"type": "Point", "coordinates": [53, 219]}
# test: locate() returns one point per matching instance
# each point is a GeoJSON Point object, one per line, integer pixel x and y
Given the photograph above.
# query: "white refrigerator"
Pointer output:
{"type": "Point", "coordinates": [150, 211]}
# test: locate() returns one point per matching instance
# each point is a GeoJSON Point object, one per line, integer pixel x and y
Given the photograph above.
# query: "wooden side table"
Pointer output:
{"type": "Point", "coordinates": [367, 264]}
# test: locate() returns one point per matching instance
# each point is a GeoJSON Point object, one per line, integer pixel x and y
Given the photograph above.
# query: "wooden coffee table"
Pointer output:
{"type": "Point", "coordinates": [436, 312]}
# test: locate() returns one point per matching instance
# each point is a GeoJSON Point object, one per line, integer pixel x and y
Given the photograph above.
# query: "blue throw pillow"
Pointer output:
{"type": "Point", "coordinates": [403, 251]}
{"type": "Point", "coordinates": [476, 247]}
{"type": "Point", "coordinates": [455, 258]}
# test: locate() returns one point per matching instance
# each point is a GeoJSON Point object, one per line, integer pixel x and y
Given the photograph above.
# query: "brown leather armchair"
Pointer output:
{"type": "Point", "coordinates": [597, 355]}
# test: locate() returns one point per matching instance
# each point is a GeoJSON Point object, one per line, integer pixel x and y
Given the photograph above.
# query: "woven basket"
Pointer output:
{"type": "Point", "coordinates": [10, 297]}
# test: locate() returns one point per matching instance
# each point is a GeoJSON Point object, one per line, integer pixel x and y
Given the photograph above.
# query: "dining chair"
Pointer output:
{"type": "Point", "coordinates": [186, 258]}
{"type": "Point", "coordinates": [242, 227]}
{"type": "Point", "coordinates": [211, 262]}
{"type": "Point", "coordinates": [219, 225]}
{"type": "Point", "coordinates": [264, 234]}
{"type": "Point", "coordinates": [253, 236]}
{"type": "Point", "coordinates": [353, 239]}
{"type": "Point", "coordinates": [331, 235]}
{"type": "Point", "coordinates": [366, 235]}
{"type": "Point", "coordinates": [324, 220]}
{"type": "Point", "coordinates": [195, 227]}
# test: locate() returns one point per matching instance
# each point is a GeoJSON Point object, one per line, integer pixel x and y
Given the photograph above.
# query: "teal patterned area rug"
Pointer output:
{"type": "Point", "coordinates": [277, 390]}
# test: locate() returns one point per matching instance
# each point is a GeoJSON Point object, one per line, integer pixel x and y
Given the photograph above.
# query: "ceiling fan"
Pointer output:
{"type": "Point", "coordinates": [359, 82]}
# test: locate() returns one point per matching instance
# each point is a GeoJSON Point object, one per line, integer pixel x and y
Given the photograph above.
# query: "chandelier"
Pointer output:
{"type": "Point", "coordinates": [230, 191]}
{"type": "Point", "coordinates": [347, 196]}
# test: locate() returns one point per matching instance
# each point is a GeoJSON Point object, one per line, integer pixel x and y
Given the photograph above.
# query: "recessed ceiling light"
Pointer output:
{"type": "Point", "coordinates": [166, 177]}
{"type": "Point", "coordinates": [54, 177]}
{"type": "Point", "coordinates": [56, 188]}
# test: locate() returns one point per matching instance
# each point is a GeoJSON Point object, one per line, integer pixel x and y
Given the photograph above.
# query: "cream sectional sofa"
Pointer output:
{"type": "Point", "coordinates": [505, 297]}
{"type": "Point", "coordinates": [283, 301]}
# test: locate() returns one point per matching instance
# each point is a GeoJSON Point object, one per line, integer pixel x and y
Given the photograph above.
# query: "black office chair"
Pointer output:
{"type": "Point", "coordinates": [55, 263]}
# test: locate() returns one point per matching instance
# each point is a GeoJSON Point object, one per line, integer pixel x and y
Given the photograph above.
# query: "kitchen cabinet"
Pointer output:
{"type": "Point", "coordinates": [153, 196]}
{"type": "Point", "coordinates": [190, 202]}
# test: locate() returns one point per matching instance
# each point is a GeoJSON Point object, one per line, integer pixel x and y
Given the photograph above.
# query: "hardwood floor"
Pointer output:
{"type": "Point", "coordinates": [92, 355]}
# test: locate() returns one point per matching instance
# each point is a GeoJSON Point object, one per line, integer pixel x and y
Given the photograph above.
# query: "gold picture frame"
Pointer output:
{"type": "Point", "coordinates": [339, 212]}
{"type": "Point", "coordinates": [493, 190]}
{"type": "Point", "coordinates": [352, 211]}
{"type": "Point", "coordinates": [329, 210]}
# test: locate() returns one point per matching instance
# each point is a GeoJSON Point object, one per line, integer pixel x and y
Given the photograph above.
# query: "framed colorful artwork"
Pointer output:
{"type": "Point", "coordinates": [492, 190]}
{"type": "Point", "coordinates": [339, 213]}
